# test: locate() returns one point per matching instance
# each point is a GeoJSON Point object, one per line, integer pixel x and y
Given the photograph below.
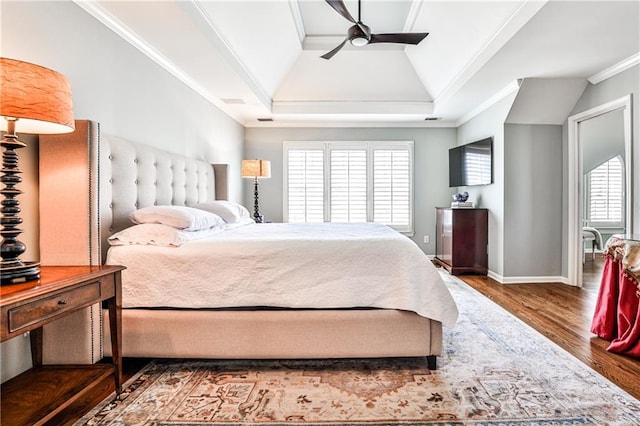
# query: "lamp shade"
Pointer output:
{"type": "Point", "coordinates": [256, 169]}
{"type": "Point", "coordinates": [39, 98]}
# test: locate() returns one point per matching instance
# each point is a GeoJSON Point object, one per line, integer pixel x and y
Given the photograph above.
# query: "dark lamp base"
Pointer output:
{"type": "Point", "coordinates": [13, 274]}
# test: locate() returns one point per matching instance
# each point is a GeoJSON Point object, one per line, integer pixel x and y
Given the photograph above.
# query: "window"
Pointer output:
{"type": "Point", "coordinates": [305, 185]}
{"type": "Point", "coordinates": [350, 182]}
{"type": "Point", "coordinates": [605, 194]}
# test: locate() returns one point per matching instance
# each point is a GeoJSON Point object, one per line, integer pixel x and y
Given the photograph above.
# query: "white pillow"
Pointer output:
{"type": "Point", "coordinates": [228, 210]}
{"type": "Point", "coordinates": [243, 221]}
{"type": "Point", "coordinates": [156, 234]}
{"type": "Point", "coordinates": [180, 217]}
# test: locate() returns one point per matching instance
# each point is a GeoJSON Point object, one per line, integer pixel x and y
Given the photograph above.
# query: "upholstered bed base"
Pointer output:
{"type": "Point", "coordinates": [111, 178]}
{"type": "Point", "coordinates": [277, 334]}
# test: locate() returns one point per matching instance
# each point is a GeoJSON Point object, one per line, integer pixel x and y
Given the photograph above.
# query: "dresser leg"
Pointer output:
{"type": "Point", "coordinates": [36, 346]}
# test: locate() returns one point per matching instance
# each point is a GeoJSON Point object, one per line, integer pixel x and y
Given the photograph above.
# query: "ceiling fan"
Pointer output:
{"type": "Point", "coordinates": [360, 34]}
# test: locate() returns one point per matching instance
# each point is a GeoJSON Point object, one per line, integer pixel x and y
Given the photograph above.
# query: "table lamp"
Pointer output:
{"type": "Point", "coordinates": [34, 100]}
{"type": "Point", "coordinates": [256, 169]}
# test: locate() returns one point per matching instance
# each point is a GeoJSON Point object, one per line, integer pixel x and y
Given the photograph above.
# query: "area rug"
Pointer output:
{"type": "Point", "coordinates": [496, 370]}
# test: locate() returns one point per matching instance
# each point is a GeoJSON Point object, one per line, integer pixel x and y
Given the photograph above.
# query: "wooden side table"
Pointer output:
{"type": "Point", "coordinates": [38, 394]}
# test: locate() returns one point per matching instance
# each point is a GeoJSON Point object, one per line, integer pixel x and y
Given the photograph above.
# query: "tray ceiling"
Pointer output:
{"type": "Point", "coordinates": [261, 59]}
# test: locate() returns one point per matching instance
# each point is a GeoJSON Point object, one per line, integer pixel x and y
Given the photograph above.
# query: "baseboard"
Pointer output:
{"type": "Point", "coordinates": [527, 280]}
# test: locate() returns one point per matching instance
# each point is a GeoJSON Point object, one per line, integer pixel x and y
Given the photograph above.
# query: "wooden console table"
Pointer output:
{"type": "Point", "coordinates": [37, 395]}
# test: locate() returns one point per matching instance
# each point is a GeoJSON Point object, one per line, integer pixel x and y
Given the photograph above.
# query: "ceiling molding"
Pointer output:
{"type": "Point", "coordinates": [506, 91]}
{"type": "Point", "coordinates": [321, 122]}
{"type": "Point", "coordinates": [615, 69]}
{"type": "Point", "coordinates": [201, 17]}
{"type": "Point", "coordinates": [412, 16]}
{"type": "Point", "coordinates": [130, 36]}
{"type": "Point", "coordinates": [352, 107]}
{"type": "Point", "coordinates": [521, 15]}
{"type": "Point", "coordinates": [294, 5]}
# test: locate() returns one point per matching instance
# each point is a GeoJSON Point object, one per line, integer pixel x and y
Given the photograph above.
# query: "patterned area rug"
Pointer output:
{"type": "Point", "coordinates": [496, 371]}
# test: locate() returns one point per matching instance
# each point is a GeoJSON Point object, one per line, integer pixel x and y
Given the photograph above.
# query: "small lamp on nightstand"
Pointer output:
{"type": "Point", "coordinates": [35, 100]}
{"type": "Point", "coordinates": [256, 169]}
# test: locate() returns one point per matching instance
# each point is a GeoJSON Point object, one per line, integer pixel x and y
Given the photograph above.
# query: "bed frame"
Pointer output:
{"type": "Point", "coordinates": [98, 180]}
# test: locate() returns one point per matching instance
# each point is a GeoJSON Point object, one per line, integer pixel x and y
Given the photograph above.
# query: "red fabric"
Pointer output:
{"type": "Point", "coordinates": [617, 314]}
{"type": "Point", "coordinates": [628, 336]}
{"type": "Point", "coordinates": [605, 316]}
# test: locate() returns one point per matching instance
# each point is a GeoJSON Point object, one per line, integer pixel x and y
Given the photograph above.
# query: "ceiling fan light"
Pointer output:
{"type": "Point", "coordinates": [359, 41]}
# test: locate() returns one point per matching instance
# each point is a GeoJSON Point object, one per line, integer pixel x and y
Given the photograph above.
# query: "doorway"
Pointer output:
{"type": "Point", "coordinates": [581, 129]}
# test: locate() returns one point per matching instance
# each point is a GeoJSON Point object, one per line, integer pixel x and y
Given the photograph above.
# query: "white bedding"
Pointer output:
{"type": "Point", "coordinates": [287, 265]}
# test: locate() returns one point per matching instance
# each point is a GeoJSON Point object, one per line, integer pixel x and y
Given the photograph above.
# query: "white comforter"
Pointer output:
{"type": "Point", "coordinates": [287, 265]}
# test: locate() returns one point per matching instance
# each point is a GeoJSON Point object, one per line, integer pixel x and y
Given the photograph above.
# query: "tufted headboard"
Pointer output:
{"type": "Point", "coordinates": [90, 182]}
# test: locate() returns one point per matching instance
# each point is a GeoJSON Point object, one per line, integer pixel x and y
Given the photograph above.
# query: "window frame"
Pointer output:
{"type": "Point", "coordinates": [370, 147]}
{"type": "Point", "coordinates": [611, 225]}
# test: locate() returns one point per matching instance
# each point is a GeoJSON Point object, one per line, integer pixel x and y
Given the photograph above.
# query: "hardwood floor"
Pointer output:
{"type": "Point", "coordinates": [560, 312]}
{"type": "Point", "coordinates": [563, 314]}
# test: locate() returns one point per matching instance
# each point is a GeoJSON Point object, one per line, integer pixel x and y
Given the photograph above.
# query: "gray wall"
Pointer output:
{"type": "Point", "coordinates": [491, 123]}
{"type": "Point", "coordinates": [116, 85]}
{"type": "Point", "coordinates": [602, 138]}
{"type": "Point", "coordinates": [431, 170]}
{"type": "Point", "coordinates": [532, 200]}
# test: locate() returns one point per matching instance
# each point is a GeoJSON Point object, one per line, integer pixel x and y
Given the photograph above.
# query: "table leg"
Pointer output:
{"type": "Point", "coordinates": [36, 346]}
{"type": "Point", "coordinates": [115, 323]}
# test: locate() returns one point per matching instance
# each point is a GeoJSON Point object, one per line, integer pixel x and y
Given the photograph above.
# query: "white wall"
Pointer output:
{"type": "Point", "coordinates": [115, 84]}
{"type": "Point", "coordinates": [431, 159]}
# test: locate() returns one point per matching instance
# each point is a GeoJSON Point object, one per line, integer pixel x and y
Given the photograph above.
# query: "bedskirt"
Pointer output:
{"type": "Point", "coordinates": [311, 333]}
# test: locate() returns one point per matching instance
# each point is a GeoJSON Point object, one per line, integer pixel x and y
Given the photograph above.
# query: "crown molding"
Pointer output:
{"type": "Point", "coordinates": [193, 9]}
{"type": "Point", "coordinates": [352, 107]}
{"type": "Point", "coordinates": [130, 36]}
{"type": "Point", "coordinates": [294, 5]}
{"type": "Point", "coordinates": [507, 90]}
{"type": "Point", "coordinates": [514, 23]}
{"type": "Point", "coordinates": [623, 65]}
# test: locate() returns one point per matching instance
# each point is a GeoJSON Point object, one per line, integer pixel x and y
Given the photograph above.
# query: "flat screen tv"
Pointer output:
{"type": "Point", "coordinates": [471, 164]}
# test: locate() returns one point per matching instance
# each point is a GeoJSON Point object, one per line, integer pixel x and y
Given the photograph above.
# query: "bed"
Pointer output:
{"type": "Point", "coordinates": [395, 320]}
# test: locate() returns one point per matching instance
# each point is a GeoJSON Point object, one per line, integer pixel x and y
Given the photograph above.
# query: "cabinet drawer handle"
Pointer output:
{"type": "Point", "coordinates": [62, 302]}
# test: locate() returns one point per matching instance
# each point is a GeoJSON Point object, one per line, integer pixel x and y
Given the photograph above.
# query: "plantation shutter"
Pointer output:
{"type": "Point", "coordinates": [350, 182]}
{"type": "Point", "coordinates": [305, 185]}
{"type": "Point", "coordinates": [348, 185]}
{"type": "Point", "coordinates": [392, 187]}
{"type": "Point", "coordinates": [605, 192]}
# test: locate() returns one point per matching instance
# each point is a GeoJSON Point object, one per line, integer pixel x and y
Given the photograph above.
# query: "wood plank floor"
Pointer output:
{"type": "Point", "coordinates": [563, 314]}
{"type": "Point", "coordinates": [560, 312]}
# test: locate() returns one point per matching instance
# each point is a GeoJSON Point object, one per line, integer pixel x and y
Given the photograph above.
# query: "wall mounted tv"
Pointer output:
{"type": "Point", "coordinates": [471, 164]}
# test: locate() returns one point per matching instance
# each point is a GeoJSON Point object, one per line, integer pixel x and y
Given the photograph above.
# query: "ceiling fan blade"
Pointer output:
{"type": "Point", "coordinates": [329, 55]}
{"type": "Point", "coordinates": [339, 7]}
{"type": "Point", "coordinates": [405, 38]}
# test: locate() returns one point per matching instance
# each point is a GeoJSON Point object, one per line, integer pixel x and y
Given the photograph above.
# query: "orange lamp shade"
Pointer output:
{"type": "Point", "coordinates": [39, 98]}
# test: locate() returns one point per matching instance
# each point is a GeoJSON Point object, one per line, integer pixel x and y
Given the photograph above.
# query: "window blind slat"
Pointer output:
{"type": "Point", "coordinates": [361, 177]}
{"type": "Point", "coordinates": [606, 192]}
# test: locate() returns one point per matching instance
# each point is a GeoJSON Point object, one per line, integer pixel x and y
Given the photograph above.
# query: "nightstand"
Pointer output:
{"type": "Point", "coordinates": [38, 394]}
